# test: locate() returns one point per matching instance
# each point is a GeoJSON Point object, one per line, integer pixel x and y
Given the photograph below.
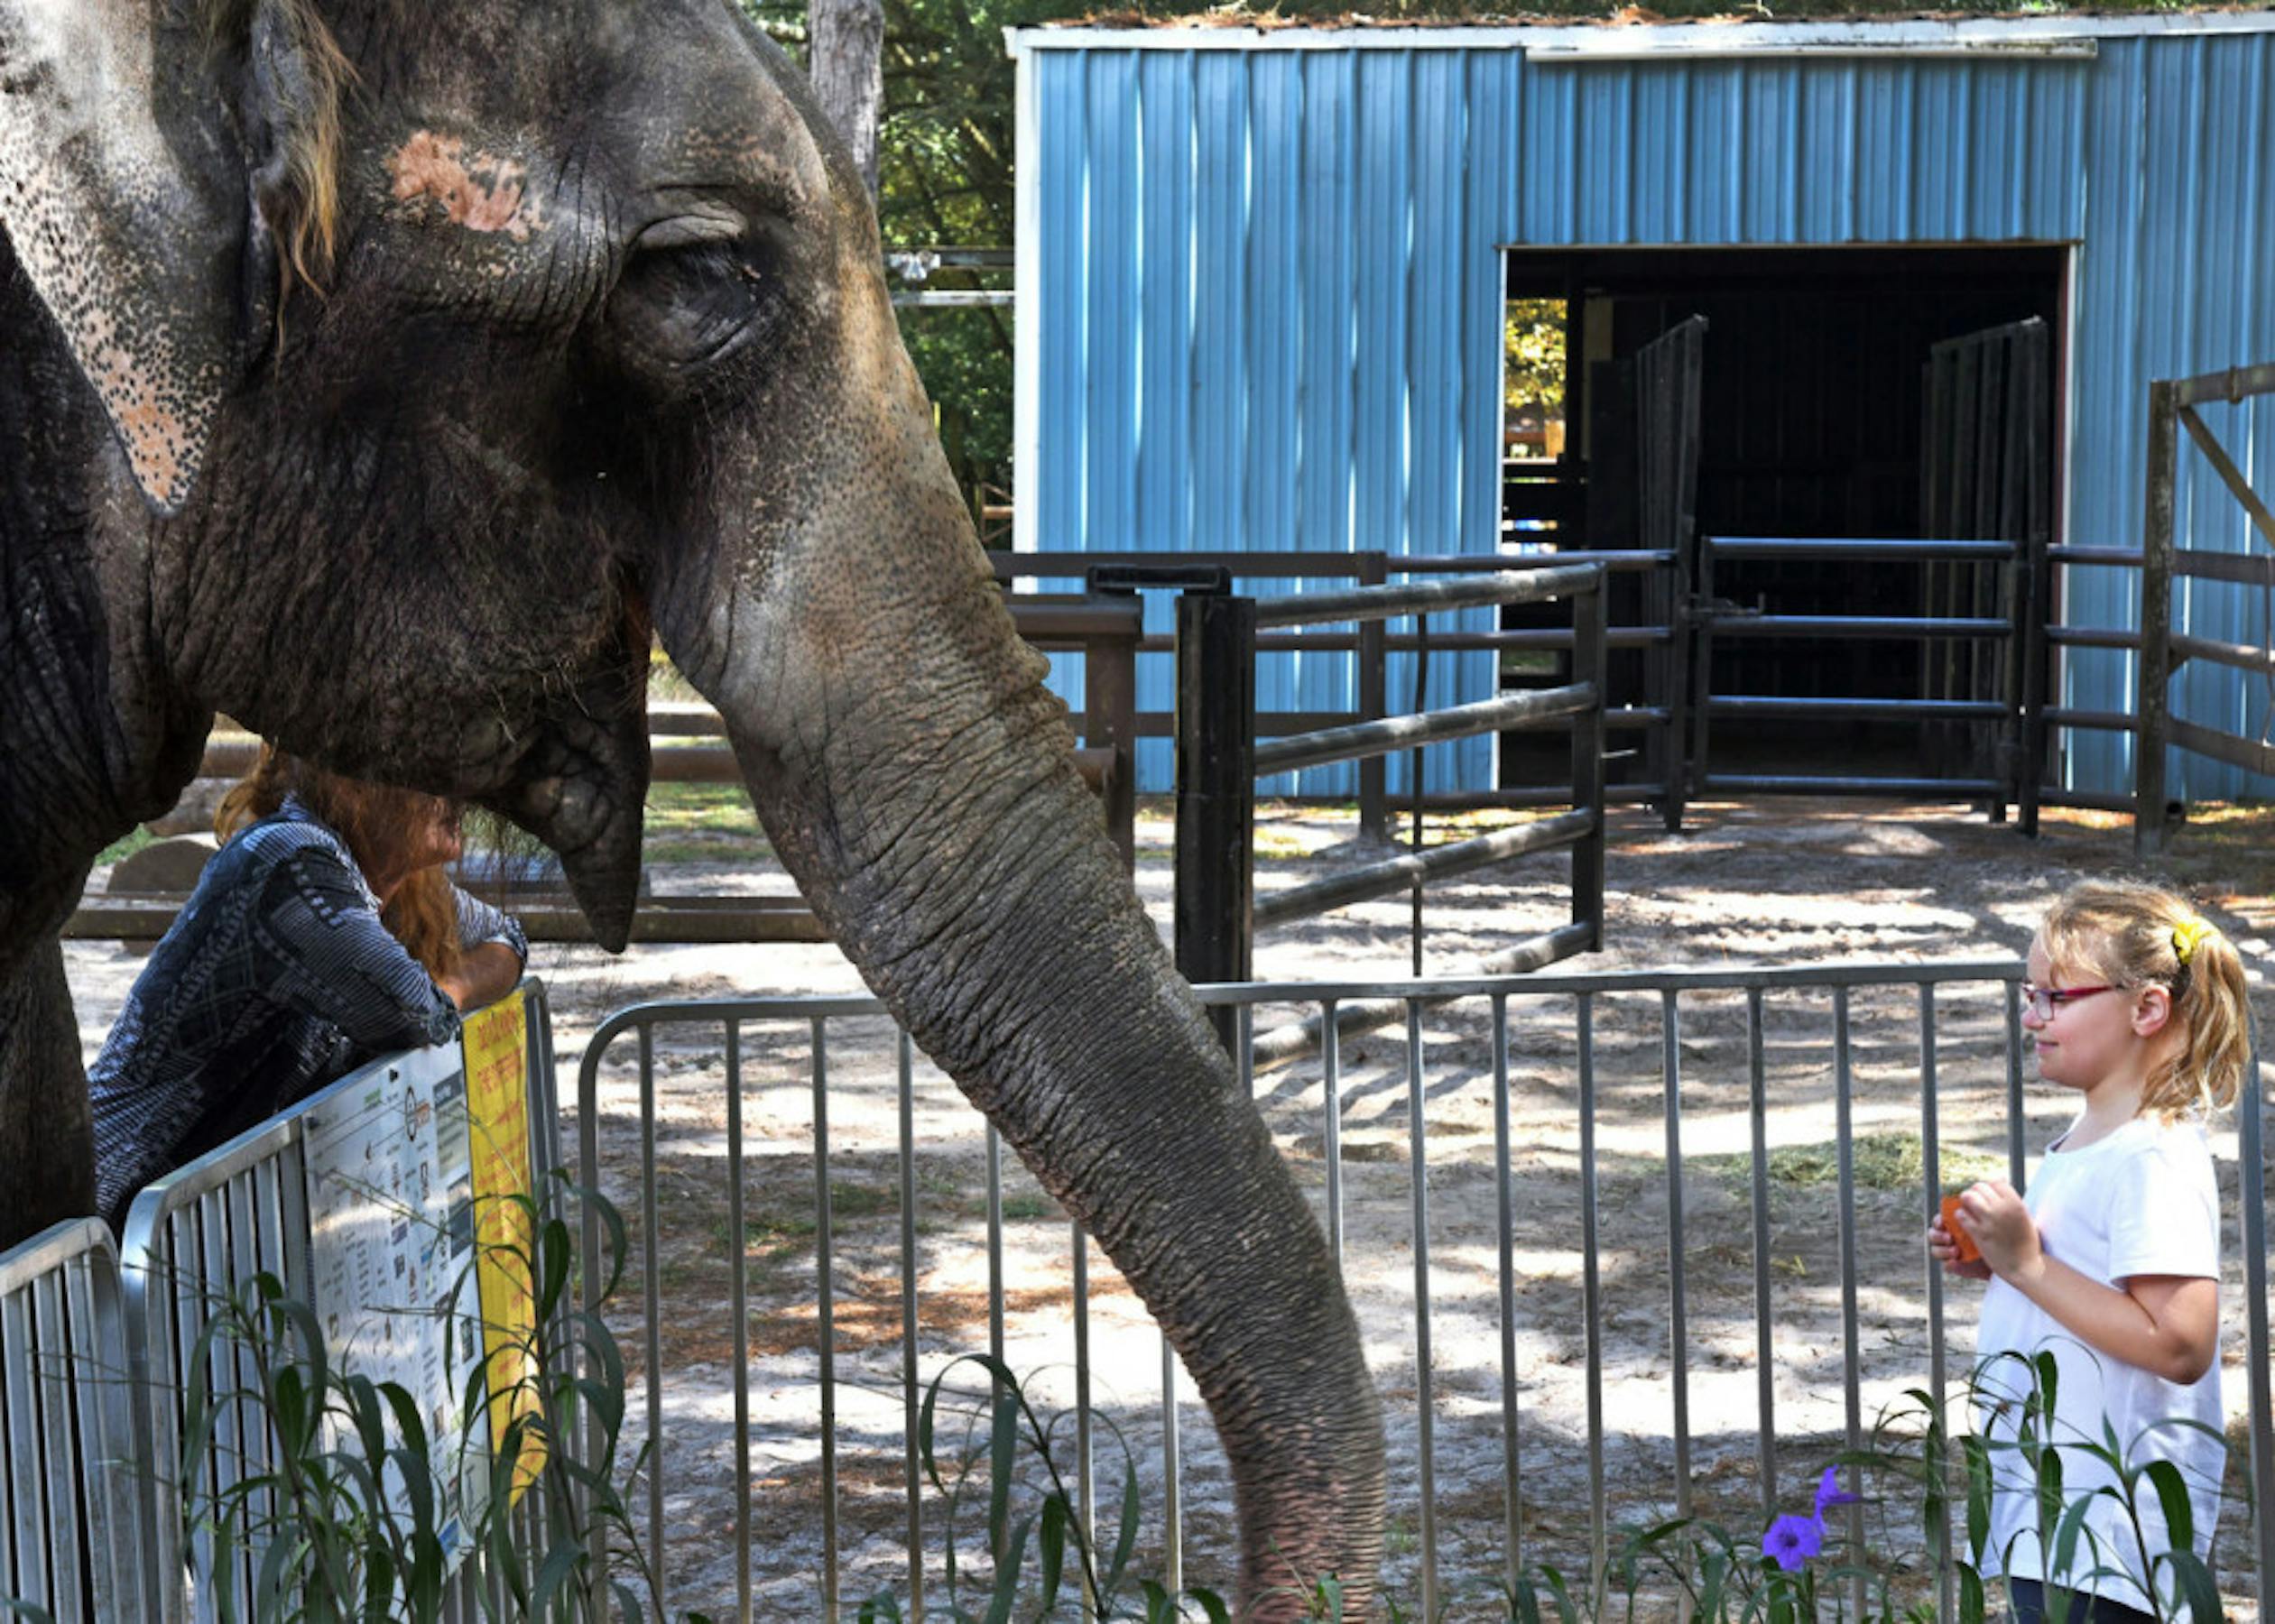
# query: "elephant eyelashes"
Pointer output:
{"type": "Point", "coordinates": [679, 312]}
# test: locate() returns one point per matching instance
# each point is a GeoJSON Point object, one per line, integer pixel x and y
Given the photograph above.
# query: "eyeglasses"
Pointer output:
{"type": "Point", "coordinates": [2042, 1001]}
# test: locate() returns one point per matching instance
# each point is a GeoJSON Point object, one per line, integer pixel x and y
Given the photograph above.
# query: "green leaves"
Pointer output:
{"type": "Point", "coordinates": [347, 1522]}
{"type": "Point", "coordinates": [1030, 1505]}
{"type": "Point", "coordinates": [1915, 1467]}
{"type": "Point", "coordinates": [1978, 1458]}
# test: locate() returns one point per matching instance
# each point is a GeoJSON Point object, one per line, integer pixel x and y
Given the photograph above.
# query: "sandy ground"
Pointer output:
{"type": "Point", "coordinates": [1796, 884]}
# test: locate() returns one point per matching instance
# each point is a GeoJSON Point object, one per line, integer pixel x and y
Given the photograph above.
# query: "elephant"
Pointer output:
{"type": "Point", "coordinates": [390, 377]}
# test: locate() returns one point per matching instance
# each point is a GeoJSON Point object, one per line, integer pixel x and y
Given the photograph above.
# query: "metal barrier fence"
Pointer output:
{"type": "Point", "coordinates": [1663, 1237]}
{"type": "Point", "coordinates": [95, 1352]}
{"type": "Point", "coordinates": [72, 1538]}
{"type": "Point", "coordinates": [194, 1237]}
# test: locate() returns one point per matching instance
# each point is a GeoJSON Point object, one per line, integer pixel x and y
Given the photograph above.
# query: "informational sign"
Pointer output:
{"type": "Point", "coordinates": [496, 1044]}
{"type": "Point", "coordinates": [390, 1207]}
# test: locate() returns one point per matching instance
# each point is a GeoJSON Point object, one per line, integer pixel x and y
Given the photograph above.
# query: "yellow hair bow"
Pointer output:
{"type": "Point", "coordinates": [2189, 935]}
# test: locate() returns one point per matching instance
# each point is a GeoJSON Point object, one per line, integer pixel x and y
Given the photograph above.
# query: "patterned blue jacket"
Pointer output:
{"type": "Point", "coordinates": [278, 976]}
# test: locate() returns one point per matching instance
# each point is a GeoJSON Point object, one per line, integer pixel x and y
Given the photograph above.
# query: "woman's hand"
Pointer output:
{"type": "Point", "coordinates": [2001, 1228]}
{"type": "Point", "coordinates": [1944, 1249]}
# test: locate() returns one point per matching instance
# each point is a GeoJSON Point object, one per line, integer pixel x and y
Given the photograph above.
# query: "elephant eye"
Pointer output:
{"type": "Point", "coordinates": [686, 309]}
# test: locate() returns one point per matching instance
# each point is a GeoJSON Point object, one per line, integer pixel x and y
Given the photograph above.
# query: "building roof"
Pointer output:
{"type": "Point", "coordinates": [1634, 32]}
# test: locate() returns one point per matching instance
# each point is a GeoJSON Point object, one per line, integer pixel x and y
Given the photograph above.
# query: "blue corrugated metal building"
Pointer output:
{"type": "Point", "coordinates": [1261, 274]}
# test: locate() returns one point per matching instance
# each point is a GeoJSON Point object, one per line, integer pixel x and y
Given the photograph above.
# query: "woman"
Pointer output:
{"type": "Point", "coordinates": [323, 933]}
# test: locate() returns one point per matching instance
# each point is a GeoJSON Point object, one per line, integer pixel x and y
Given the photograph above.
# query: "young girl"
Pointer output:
{"type": "Point", "coordinates": [2112, 1262]}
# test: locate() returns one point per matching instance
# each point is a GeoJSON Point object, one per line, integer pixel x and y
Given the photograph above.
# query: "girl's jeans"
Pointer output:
{"type": "Point", "coordinates": [2030, 1608]}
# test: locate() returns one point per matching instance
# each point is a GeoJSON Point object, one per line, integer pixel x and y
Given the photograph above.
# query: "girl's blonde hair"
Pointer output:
{"type": "Point", "coordinates": [2137, 936]}
{"type": "Point", "coordinates": [423, 912]}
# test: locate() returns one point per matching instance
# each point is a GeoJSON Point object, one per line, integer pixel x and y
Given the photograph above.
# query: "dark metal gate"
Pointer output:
{"type": "Point", "coordinates": [1643, 495]}
{"type": "Point", "coordinates": [1713, 617]}
{"type": "Point", "coordinates": [1663, 379]}
{"type": "Point", "coordinates": [1986, 476]}
{"type": "Point", "coordinates": [1975, 629]}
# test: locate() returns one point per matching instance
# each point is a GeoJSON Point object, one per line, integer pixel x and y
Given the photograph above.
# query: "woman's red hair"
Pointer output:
{"type": "Point", "coordinates": [372, 819]}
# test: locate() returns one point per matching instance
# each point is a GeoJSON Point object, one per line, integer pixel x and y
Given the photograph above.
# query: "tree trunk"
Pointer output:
{"type": "Point", "coordinates": [844, 56]}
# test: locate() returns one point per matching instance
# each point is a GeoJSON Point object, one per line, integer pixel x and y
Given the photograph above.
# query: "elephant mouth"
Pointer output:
{"type": "Point", "coordinates": [582, 786]}
{"type": "Point", "coordinates": [595, 826]}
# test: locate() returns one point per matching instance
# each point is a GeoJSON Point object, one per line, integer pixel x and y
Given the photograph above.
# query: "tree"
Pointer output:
{"type": "Point", "coordinates": [943, 177]}
{"type": "Point", "coordinates": [845, 66]}
{"type": "Point", "coordinates": [1534, 340]}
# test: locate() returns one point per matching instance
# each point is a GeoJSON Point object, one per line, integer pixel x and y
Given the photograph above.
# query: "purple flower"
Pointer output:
{"type": "Point", "coordinates": [1792, 1540]}
{"type": "Point", "coordinates": [1829, 1493]}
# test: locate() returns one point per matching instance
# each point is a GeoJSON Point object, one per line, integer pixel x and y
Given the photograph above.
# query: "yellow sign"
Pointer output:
{"type": "Point", "coordinates": [498, 1107]}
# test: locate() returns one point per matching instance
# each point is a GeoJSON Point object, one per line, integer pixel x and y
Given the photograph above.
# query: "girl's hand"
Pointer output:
{"type": "Point", "coordinates": [2002, 1228]}
{"type": "Point", "coordinates": [1945, 1250]}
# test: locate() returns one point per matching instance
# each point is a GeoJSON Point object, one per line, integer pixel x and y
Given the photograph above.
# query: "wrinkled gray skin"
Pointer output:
{"type": "Point", "coordinates": [605, 346]}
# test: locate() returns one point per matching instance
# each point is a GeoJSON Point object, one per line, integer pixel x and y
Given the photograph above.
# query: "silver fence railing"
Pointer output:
{"type": "Point", "coordinates": [1663, 1238]}
{"type": "Point", "coordinates": [72, 1540]}
{"type": "Point", "coordinates": [191, 1240]}
{"type": "Point", "coordinates": [96, 1355]}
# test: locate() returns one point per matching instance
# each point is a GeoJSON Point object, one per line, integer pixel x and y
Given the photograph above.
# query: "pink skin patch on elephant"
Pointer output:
{"type": "Point", "coordinates": [480, 191]}
{"type": "Point", "coordinates": [153, 420]}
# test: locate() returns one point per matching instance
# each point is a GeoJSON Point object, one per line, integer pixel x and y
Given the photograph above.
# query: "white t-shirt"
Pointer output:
{"type": "Point", "coordinates": [2141, 1201]}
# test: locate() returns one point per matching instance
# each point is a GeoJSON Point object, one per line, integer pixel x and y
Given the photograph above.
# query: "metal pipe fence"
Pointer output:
{"type": "Point", "coordinates": [1220, 758]}
{"type": "Point", "coordinates": [1623, 1246]}
{"type": "Point", "coordinates": [2008, 647]}
{"type": "Point", "coordinates": [1716, 619]}
{"type": "Point", "coordinates": [1675, 718]}
{"type": "Point", "coordinates": [1371, 641]}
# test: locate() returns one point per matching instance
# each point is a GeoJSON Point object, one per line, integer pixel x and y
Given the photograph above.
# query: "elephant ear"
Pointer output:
{"type": "Point", "coordinates": [125, 204]}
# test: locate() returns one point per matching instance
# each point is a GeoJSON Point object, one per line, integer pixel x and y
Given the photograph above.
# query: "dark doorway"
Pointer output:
{"type": "Point", "coordinates": [1813, 424]}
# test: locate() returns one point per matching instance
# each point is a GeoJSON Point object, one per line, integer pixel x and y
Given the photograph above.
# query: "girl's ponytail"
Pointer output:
{"type": "Point", "coordinates": [2212, 1000]}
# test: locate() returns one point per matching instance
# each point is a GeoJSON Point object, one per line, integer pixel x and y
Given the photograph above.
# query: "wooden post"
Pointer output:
{"type": "Point", "coordinates": [2152, 703]}
{"type": "Point", "coordinates": [1215, 791]}
{"type": "Point", "coordinates": [1109, 707]}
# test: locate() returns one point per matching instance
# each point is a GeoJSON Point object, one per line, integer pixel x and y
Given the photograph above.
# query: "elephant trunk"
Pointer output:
{"type": "Point", "coordinates": [916, 780]}
{"type": "Point", "coordinates": [963, 865]}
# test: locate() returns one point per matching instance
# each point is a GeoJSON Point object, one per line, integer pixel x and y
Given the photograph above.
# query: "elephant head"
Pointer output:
{"type": "Point", "coordinates": [386, 374]}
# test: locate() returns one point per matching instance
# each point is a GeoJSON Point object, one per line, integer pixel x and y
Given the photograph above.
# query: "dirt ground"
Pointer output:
{"type": "Point", "coordinates": [1805, 884]}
